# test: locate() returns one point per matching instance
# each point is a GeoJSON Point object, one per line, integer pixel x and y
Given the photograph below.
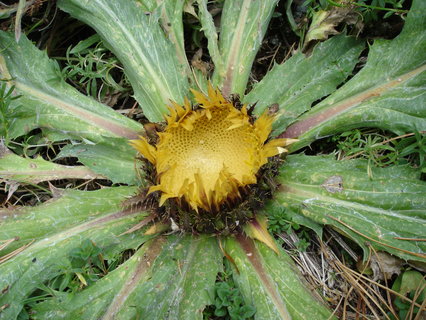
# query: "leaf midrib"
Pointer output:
{"type": "Point", "coordinates": [83, 115]}
{"type": "Point", "coordinates": [144, 59]}
{"type": "Point", "coordinates": [316, 119]}
{"type": "Point", "coordinates": [293, 189]}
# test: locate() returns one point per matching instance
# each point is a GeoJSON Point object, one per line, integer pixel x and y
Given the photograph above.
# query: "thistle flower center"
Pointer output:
{"type": "Point", "coordinates": [205, 156]}
{"type": "Point", "coordinates": [209, 150]}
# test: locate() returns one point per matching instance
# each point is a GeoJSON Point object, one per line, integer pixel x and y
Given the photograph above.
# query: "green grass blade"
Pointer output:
{"type": "Point", "coordinates": [136, 38]}
{"type": "Point", "coordinates": [386, 209]}
{"type": "Point", "coordinates": [243, 25]}
{"type": "Point", "coordinates": [168, 278]}
{"type": "Point", "coordinates": [272, 283]}
{"type": "Point", "coordinates": [388, 93]}
{"type": "Point", "coordinates": [48, 102]}
{"type": "Point", "coordinates": [301, 80]}
{"type": "Point", "coordinates": [57, 227]}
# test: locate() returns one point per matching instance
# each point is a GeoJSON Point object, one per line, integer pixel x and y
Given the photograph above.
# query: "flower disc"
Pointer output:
{"type": "Point", "coordinates": [204, 156]}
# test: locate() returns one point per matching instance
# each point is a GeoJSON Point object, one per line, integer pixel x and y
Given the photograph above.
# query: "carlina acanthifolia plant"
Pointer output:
{"type": "Point", "coordinates": [189, 201]}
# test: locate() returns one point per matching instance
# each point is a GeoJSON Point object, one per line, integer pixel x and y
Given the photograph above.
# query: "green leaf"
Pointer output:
{"type": "Point", "coordinates": [324, 22]}
{"type": "Point", "coordinates": [221, 312]}
{"type": "Point", "coordinates": [170, 14]}
{"type": "Point", "coordinates": [85, 44]}
{"type": "Point", "coordinates": [136, 38]}
{"type": "Point", "coordinates": [168, 278]}
{"type": "Point", "coordinates": [172, 23]}
{"type": "Point", "coordinates": [272, 282]}
{"type": "Point", "coordinates": [411, 281]}
{"type": "Point", "coordinates": [386, 209]}
{"type": "Point", "coordinates": [66, 209]}
{"type": "Point", "coordinates": [209, 29]}
{"type": "Point", "coordinates": [301, 80]}
{"type": "Point", "coordinates": [114, 159]}
{"type": "Point", "coordinates": [388, 93]}
{"type": "Point", "coordinates": [57, 227]}
{"type": "Point", "coordinates": [19, 13]}
{"type": "Point", "coordinates": [27, 170]}
{"type": "Point", "coordinates": [48, 102]}
{"type": "Point", "coordinates": [242, 27]}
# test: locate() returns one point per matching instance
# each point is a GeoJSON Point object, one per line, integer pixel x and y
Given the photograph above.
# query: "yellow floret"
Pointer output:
{"type": "Point", "coordinates": [205, 156]}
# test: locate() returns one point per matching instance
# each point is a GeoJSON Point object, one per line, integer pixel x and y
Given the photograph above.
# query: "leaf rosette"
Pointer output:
{"type": "Point", "coordinates": [173, 276]}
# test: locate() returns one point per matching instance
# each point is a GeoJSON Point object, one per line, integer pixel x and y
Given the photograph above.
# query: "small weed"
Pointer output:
{"type": "Point", "coordinates": [411, 284]}
{"type": "Point", "coordinates": [228, 301]}
{"type": "Point", "coordinates": [381, 150]}
{"type": "Point", "coordinates": [83, 266]}
{"type": "Point", "coordinates": [412, 149]}
{"type": "Point", "coordinates": [277, 223]}
{"type": "Point", "coordinates": [280, 222]}
{"type": "Point", "coordinates": [91, 68]}
{"type": "Point", "coordinates": [369, 145]}
{"type": "Point", "coordinates": [86, 265]}
{"type": "Point", "coordinates": [302, 245]}
{"type": "Point", "coordinates": [33, 144]}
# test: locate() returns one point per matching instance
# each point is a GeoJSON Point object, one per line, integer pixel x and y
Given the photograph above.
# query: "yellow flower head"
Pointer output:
{"type": "Point", "coordinates": [204, 156]}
